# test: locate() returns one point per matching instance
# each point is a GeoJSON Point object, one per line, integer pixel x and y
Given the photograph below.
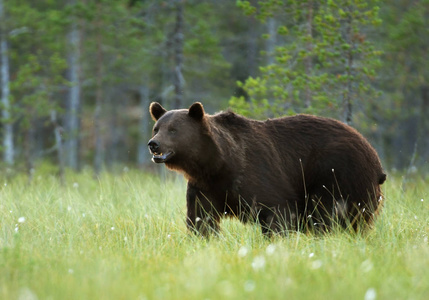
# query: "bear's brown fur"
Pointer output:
{"type": "Point", "coordinates": [292, 173]}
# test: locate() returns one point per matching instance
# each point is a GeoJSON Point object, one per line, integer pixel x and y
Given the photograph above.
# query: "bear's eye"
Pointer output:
{"type": "Point", "coordinates": [155, 130]}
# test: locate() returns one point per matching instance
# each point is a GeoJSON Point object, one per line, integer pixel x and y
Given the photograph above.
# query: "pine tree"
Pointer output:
{"type": "Point", "coordinates": [322, 62]}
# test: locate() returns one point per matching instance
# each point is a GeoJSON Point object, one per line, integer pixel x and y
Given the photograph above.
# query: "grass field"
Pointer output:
{"type": "Point", "coordinates": [124, 237]}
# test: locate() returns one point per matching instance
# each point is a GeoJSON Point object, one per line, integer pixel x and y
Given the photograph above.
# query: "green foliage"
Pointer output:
{"type": "Point", "coordinates": [124, 237]}
{"type": "Point", "coordinates": [405, 74]}
{"type": "Point", "coordinates": [123, 46]}
{"type": "Point", "coordinates": [246, 7]}
{"type": "Point", "coordinates": [37, 61]}
{"type": "Point", "coordinates": [203, 53]}
{"type": "Point", "coordinates": [323, 60]}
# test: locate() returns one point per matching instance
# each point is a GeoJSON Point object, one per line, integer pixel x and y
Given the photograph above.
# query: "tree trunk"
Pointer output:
{"type": "Point", "coordinates": [58, 145]}
{"type": "Point", "coordinates": [271, 41]}
{"type": "Point", "coordinates": [99, 151]}
{"type": "Point", "coordinates": [113, 148]}
{"type": "Point", "coordinates": [72, 120]}
{"type": "Point", "coordinates": [178, 56]}
{"type": "Point", "coordinates": [308, 59]}
{"type": "Point", "coordinates": [144, 132]}
{"type": "Point", "coordinates": [348, 90]}
{"type": "Point", "coordinates": [420, 157]}
{"type": "Point", "coordinates": [28, 132]}
{"type": "Point", "coordinates": [8, 147]}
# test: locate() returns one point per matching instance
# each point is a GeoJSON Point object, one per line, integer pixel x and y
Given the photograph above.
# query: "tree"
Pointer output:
{"type": "Point", "coordinates": [144, 128]}
{"type": "Point", "coordinates": [8, 146]}
{"type": "Point", "coordinates": [37, 76]}
{"type": "Point", "coordinates": [322, 60]}
{"type": "Point", "coordinates": [72, 118]}
{"type": "Point", "coordinates": [353, 59]}
{"type": "Point", "coordinates": [99, 151]}
{"type": "Point", "coordinates": [178, 55]}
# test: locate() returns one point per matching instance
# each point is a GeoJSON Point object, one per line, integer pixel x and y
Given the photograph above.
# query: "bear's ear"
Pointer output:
{"type": "Point", "coordinates": [196, 111]}
{"type": "Point", "coordinates": [156, 110]}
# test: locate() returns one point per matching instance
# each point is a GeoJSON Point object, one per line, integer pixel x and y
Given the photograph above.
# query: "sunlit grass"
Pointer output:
{"type": "Point", "coordinates": [124, 237]}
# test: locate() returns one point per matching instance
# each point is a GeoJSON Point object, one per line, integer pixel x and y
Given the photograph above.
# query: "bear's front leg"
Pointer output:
{"type": "Point", "coordinates": [202, 217]}
{"type": "Point", "coordinates": [277, 221]}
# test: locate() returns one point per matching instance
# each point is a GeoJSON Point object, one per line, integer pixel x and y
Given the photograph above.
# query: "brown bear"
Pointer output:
{"type": "Point", "coordinates": [292, 173]}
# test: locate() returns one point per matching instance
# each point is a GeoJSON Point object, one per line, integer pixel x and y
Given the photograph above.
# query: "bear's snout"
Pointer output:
{"type": "Point", "coordinates": [158, 154]}
{"type": "Point", "coordinates": [153, 146]}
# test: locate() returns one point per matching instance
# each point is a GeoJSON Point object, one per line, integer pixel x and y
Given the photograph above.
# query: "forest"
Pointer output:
{"type": "Point", "coordinates": [77, 76]}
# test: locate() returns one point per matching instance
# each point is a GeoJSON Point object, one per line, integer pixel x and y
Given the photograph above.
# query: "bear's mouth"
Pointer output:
{"type": "Point", "coordinates": [162, 157]}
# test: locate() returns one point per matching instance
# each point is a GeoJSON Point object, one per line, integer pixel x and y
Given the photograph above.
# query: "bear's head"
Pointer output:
{"type": "Point", "coordinates": [180, 137]}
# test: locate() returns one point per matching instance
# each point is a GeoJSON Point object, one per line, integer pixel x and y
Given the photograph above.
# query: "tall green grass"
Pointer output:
{"type": "Point", "coordinates": [124, 237]}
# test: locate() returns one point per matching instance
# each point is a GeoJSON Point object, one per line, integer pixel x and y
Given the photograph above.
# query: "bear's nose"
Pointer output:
{"type": "Point", "coordinates": [153, 146]}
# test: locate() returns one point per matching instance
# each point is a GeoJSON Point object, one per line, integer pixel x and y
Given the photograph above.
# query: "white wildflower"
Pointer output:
{"type": "Point", "coordinates": [258, 263]}
{"type": "Point", "coordinates": [21, 219]}
{"type": "Point", "coordinates": [370, 294]}
{"type": "Point", "coordinates": [270, 249]}
{"type": "Point", "coordinates": [242, 252]}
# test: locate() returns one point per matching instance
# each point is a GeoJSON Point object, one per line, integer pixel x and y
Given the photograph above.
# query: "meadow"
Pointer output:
{"type": "Point", "coordinates": [123, 236]}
